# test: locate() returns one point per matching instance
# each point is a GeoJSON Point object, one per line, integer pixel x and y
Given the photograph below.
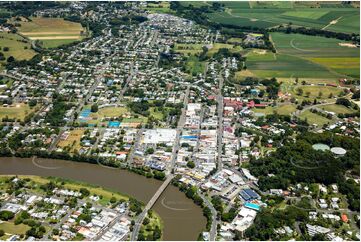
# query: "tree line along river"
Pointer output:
{"type": "Point", "coordinates": [182, 219]}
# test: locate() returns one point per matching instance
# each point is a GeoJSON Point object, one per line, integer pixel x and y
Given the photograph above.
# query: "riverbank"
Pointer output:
{"type": "Point", "coordinates": [182, 219]}
{"type": "Point", "coordinates": [63, 195]}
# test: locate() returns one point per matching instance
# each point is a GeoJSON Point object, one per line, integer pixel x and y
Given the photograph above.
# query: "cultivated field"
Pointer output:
{"type": "Point", "coordinates": [339, 57]}
{"type": "Point", "coordinates": [305, 57]}
{"type": "Point", "coordinates": [52, 32]}
{"type": "Point", "coordinates": [344, 18]}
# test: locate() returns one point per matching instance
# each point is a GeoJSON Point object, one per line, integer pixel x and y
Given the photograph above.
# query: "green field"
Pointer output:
{"type": "Point", "coordinates": [161, 7]}
{"type": "Point", "coordinates": [52, 32]}
{"type": "Point", "coordinates": [340, 58]}
{"type": "Point", "coordinates": [313, 118]}
{"type": "Point", "coordinates": [307, 14]}
{"type": "Point", "coordinates": [286, 66]}
{"type": "Point", "coordinates": [281, 110]}
{"type": "Point", "coordinates": [188, 49]}
{"type": "Point", "coordinates": [338, 109]}
{"type": "Point", "coordinates": [19, 47]}
{"type": "Point", "coordinates": [11, 228]}
{"type": "Point", "coordinates": [194, 66]}
{"type": "Point", "coordinates": [18, 111]}
{"type": "Point", "coordinates": [305, 57]}
{"type": "Point", "coordinates": [315, 90]}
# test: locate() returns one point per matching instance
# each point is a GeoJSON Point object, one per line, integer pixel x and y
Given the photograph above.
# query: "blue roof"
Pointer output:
{"type": "Point", "coordinates": [245, 196]}
{"type": "Point", "coordinates": [251, 193]}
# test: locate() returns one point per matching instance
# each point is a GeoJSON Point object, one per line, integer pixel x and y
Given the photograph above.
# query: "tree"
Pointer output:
{"type": "Point", "coordinates": [299, 91]}
{"type": "Point", "coordinates": [6, 215]}
{"type": "Point", "coordinates": [308, 93]}
{"type": "Point", "coordinates": [113, 200]}
{"type": "Point", "coordinates": [10, 59]}
{"type": "Point", "coordinates": [94, 108]}
{"type": "Point", "coordinates": [320, 94]}
{"type": "Point", "coordinates": [84, 192]}
{"type": "Point", "coordinates": [32, 103]}
{"type": "Point", "coordinates": [190, 164]}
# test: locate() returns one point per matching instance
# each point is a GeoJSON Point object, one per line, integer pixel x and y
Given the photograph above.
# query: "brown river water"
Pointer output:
{"type": "Point", "coordinates": [183, 220]}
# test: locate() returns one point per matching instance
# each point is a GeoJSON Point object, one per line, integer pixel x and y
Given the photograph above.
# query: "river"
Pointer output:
{"type": "Point", "coordinates": [183, 220]}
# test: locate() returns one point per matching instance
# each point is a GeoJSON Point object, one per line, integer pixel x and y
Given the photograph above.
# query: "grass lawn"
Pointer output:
{"type": "Point", "coordinates": [155, 113]}
{"type": "Point", "coordinates": [76, 185]}
{"type": "Point", "coordinates": [194, 66]}
{"type": "Point", "coordinates": [11, 228]}
{"type": "Point", "coordinates": [52, 32]}
{"type": "Point", "coordinates": [17, 111]}
{"type": "Point", "coordinates": [110, 112]}
{"type": "Point", "coordinates": [73, 140]}
{"type": "Point", "coordinates": [313, 118]}
{"type": "Point", "coordinates": [190, 49]}
{"type": "Point", "coordinates": [282, 109]}
{"type": "Point", "coordinates": [154, 221]}
{"type": "Point", "coordinates": [161, 7]}
{"type": "Point", "coordinates": [53, 43]}
{"type": "Point", "coordinates": [336, 108]}
{"type": "Point", "coordinates": [315, 90]}
{"type": "Point", "coordinates": [234, 40]}
{"type": "Point", "coordinates": [215, 48]}
{"type": "Point", "coordinates": [19, 47]}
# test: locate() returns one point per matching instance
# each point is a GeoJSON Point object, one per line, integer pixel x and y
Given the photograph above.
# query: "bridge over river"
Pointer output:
{"type": "Point", "coordinates": [149, 205]}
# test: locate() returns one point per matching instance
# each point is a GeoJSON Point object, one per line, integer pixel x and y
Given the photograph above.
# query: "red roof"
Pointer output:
{"type": "Point", "coordinates": [344, 218]}
{"type": "Point", "coordinates": [250, 104]}
{"type": "Point", "coordinates": [260, 105]}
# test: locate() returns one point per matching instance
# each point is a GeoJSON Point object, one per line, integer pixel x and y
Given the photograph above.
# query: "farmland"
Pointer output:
{"type": "Point", "coordinates": [344, 18]}
{"type": "Point", "coordinates": [339, 57]}
{"type": "Point", "coordinates": [52, 32]}
{"type": "Point", "coordinates": [305, 57]}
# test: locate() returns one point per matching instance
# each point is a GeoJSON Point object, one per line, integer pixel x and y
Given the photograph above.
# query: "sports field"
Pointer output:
{"type": "Point", "coordinates": [52, 32]}
{"type": "Point", "coordinates": [19, 47]}
{"type": "Point", "coordinates": [334, 16]}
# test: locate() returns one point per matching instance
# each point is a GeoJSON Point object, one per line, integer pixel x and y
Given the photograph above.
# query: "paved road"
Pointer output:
{"type": "Point", "coordinates": [179, 130]}
{"type": "Point", "coordinates": [220, 122]}
{"type": "Point", "coordinates": [149, 205]}
{"type": "Point", "coordinates": [135, 147]}
{"type": "Point", "coordinates": [213, 231]}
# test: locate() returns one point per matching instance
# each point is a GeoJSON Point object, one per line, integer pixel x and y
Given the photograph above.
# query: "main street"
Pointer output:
{"type": "Point", "coordinates": [220, 122]}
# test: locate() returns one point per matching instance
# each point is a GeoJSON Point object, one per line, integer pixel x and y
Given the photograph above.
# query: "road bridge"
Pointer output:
{"type": "Point", "coordinates": [149, 205]}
